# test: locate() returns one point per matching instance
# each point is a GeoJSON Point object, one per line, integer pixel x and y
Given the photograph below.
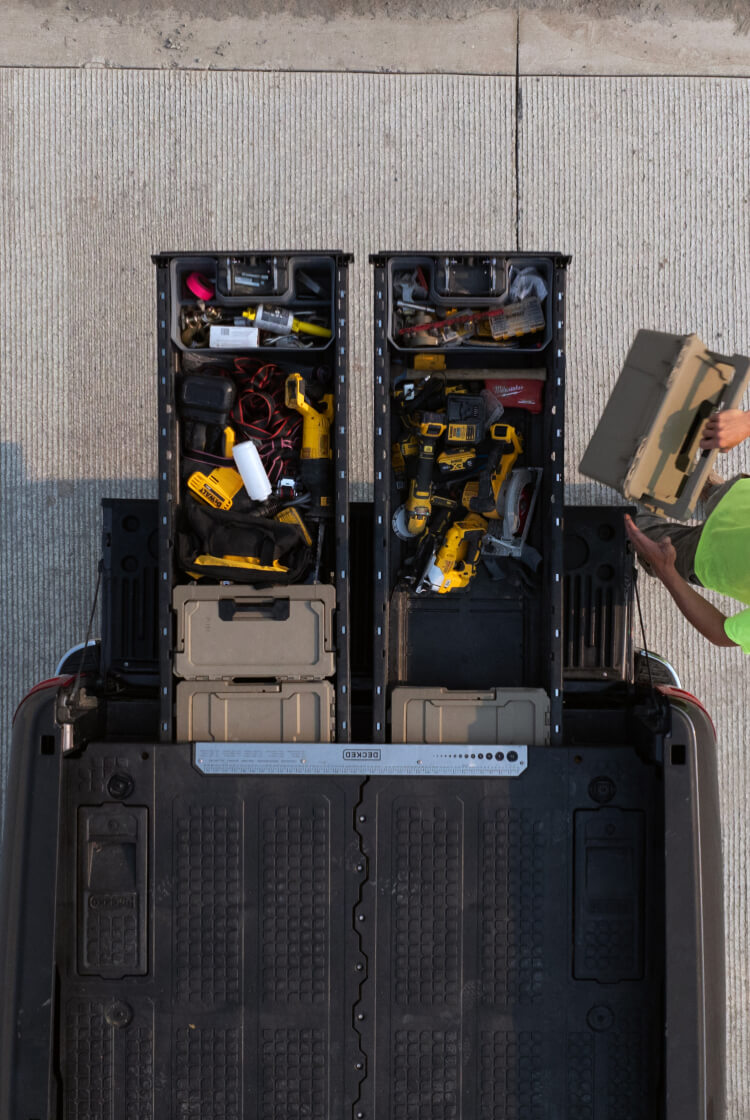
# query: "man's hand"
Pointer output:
{"type": "Point", "coordinates": [725, 429]}
{"type": "Point", "coordinates": [659, 555]}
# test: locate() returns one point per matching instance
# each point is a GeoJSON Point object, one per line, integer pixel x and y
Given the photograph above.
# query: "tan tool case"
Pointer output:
{"type": "Point", "coordinates": [225, 632]}
{"type": "Point", "coordinates": [496, 715]}
{"type": "Point", "coordinates": [646, 444]}
{"type": "Point", "coordinates": [218, 711]}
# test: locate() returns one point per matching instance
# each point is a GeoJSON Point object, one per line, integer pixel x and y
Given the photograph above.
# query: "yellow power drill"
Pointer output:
{"type": "Point", "coordinates": [316, 456]}
{"type": "Point", "coordinates": [480, 495]}
{"type": "Point", "coordinates": [410, 519]}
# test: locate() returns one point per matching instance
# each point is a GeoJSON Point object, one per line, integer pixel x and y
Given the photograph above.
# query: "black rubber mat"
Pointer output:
{"type": "Point", "coordinates": [404, 949]}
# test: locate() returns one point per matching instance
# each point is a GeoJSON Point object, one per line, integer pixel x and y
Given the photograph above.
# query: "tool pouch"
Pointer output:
{"type": "Point", "coordinates": [207, 531]}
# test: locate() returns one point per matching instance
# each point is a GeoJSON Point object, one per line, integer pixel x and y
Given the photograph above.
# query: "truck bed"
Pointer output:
{"type": "Point", "coordinates": [229, 946]}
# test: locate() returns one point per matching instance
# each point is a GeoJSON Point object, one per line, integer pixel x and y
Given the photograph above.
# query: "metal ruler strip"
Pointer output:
{"type": "Point", "coordinates": [392, 759]}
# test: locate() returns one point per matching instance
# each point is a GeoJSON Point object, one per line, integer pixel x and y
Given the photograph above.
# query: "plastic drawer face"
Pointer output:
{"type": "Point", "coordinates": [227, 632]}
{"type": "Point", "coordinates": [253, 478]}
{"type": "Point", "coordinates": [469, 398]}
{"type": "Point", "coordinates": [211, 711]}
{"type": "Point", "coordinates": [440, 715]}
{"type": "Point", "coordinates": [647, 443]}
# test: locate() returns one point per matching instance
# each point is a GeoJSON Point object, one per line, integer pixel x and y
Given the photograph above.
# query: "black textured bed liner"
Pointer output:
{"type": "Point", "coordinates": [236, 947]}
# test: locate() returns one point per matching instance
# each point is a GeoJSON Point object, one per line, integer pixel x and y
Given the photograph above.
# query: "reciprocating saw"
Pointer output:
{"type": "Point", "coordinates": [316, 457]}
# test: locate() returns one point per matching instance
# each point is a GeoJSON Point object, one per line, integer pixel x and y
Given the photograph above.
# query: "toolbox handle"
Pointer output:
{"type": "Point", "coordinates": [685, 454]}
{"type": "Point", "coordinates": [275, 609]}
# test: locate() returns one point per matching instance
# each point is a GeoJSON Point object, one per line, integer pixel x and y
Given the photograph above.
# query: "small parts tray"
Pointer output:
{"type": "Point", "coordinates": [646, 444]}
{"type": "Point", "coordinates": [229, 632]}
{"type": "Point", "coordinates": [499, 715]}
{"type": "Point", "coordinates": [207, 289]}
{"type": "Point", "coordinates": [477, 304]}
{"type": "Point", "coordinates": [214, 711]}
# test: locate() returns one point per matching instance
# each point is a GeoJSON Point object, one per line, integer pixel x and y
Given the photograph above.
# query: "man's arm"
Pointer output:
{"type": "Point", "coordinates": [660, 555]}
{"type": "Point", "coordinates": [726, 429]}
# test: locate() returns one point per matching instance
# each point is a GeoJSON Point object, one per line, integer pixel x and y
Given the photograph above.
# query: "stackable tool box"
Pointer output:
{"type": "Point", "coordinates": [647, 443]}
{"type": "Point", "coordinates": [495, 893]}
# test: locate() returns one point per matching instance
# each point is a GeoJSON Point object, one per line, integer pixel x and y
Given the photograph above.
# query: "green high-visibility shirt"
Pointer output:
{"type": "Point", "coordinates": [722, 559]}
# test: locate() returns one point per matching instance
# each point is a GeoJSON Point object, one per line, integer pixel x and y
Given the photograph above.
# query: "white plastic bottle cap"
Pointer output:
{"type": "Point", "coordinates": [252, 471]}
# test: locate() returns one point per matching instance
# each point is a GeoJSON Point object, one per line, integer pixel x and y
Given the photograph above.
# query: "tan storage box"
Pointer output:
{"type": "Point", "coordinates": [284, 633]}
{"type": "Point", "coordinates": [646, 444]}
{"type": "Point", "coordinates": [498, 715]}
{"type": "Point", "coordinates": [211, 711]}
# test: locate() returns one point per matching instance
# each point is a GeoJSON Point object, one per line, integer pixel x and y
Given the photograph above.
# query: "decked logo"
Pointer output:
{"type": "Point", "coordinates": [362, 756]}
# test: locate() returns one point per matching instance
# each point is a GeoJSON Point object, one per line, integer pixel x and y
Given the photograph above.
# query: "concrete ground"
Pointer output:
{"type": "Point", "coordinates": [126, 133]}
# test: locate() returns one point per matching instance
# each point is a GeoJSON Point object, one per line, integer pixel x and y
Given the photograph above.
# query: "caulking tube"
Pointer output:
{"type": "Point", "coordinates": [251, 470]}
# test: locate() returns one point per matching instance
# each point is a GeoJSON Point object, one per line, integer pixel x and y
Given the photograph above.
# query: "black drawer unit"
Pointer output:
{"type": "Point", "coordinates": [468, 585]}
{"type": "Point", "coordinates": [252, 349]}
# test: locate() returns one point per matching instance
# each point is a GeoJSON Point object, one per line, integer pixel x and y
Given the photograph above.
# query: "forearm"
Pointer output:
{"type": "Point", "coordinates": [704, 616]}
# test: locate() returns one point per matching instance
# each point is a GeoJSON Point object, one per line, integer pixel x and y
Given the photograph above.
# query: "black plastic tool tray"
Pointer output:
{"type": "Point", "coordinates": [336, 552]}
{"type": "Point", "coordinates": [292, 293]}
{"type": "Point", "coordinates": [486, 636]}
{"type": "Point", "coordinates": [598, 594]}
{"type": "Point", "coordinates": [444, 301]}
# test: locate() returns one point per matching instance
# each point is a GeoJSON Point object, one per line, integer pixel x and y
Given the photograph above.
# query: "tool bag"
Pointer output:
{"type": "Point", "coordinates": [277, 548]}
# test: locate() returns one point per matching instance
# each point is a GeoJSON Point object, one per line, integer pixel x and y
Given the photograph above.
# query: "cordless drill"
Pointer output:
{"type": "Point", "coordinates": [410, 519]}
{"type": "Point", "coordinates": [316, 456]}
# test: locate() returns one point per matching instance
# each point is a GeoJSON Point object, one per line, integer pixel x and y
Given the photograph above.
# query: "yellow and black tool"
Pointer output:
{"type": "Point", "coordinates": [401, 451]}
{"type": "Point", "coordinates": [218, 488]}
{"type": "Point", "coordinates": [316, 456]}
{"type": "Point", "coordinates": [453, 565]}
{"type": "Point", "coordinates": [410, 519]}
{"type": "Point", "coordinates": [248, 563]}
{"type": "Point", "coordinates": [481, 495]}
{"type": "Point", "coordinates": [465, 420]}
{"type": "Point", "coordinates": [277, 320]}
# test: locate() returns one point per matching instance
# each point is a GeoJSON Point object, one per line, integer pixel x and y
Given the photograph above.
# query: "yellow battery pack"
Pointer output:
{"type": "Point", "coordinates": [218, 488]}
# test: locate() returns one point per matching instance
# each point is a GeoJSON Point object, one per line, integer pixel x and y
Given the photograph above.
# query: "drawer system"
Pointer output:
{"type": "Point", "coordinates": [469, 396]}
{"type": "Point", "coordinates": [253, 502]}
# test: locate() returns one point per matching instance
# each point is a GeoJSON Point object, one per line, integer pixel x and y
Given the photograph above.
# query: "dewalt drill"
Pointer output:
{"type": "Point", "coordinates": [316, 456]}
{"type": "Point", "coordinates": [410, 519]}
{"type": "Point", "coordinates": [480, 495]}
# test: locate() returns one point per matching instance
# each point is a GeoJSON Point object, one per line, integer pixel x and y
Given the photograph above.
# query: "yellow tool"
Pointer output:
{"type": "Point", "coordinates": [249, 562]}
{"type": "Point", "coordinates": [402, 450]}
{"type": "Point", "coordinates": [410, 519]}
{"type": "Point", "coordinates": [452, 462]}
{"type": "Point", "coordinates": [454, 565]}
{"type": "Point", "coordinates": [276, 320]}
{"type": "Point", "coordinates": [316, 456]}
{"type": "Point", "coordinates": [290, 516]}
{"type": "Point", "coordinates": [429, 361]}
{"type": "Point", "coordinates": [218, 488]}
{"type": "Point", "coordinates": [480, 495]}
{"type": "Point", "coordinates": [230, 438]}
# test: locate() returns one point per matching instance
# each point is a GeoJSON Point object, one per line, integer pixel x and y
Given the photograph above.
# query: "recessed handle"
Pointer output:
{"type": "Point", "coordinates": [277, 610]}
{"type": "Point", "coordinates": [686, 452]}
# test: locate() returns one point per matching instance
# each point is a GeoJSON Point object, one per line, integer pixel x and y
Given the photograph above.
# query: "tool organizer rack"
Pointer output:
{"type": "Point", "coordinates": [486, 636]}
{"type": "Point", "coordinates": [290, 286]}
